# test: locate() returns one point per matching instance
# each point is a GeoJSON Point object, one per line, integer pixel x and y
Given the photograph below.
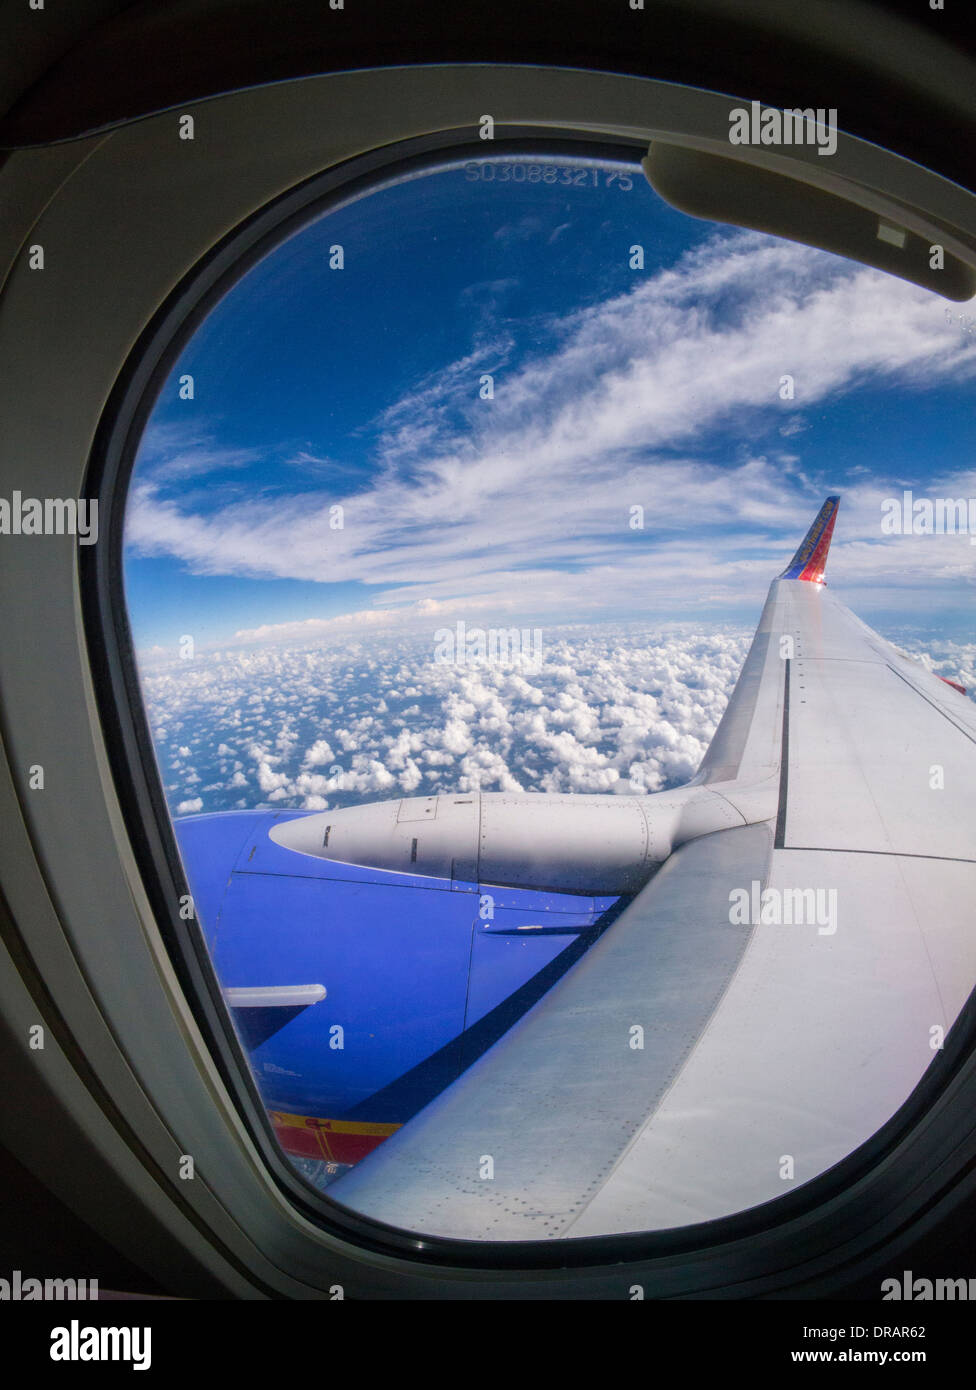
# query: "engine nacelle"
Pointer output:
{"type": "Point", "coordinates": [570, 844]}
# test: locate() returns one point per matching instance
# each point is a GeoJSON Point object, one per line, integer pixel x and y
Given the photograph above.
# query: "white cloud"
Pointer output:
{"type": "Point", "coordinates": [486, 504]}
{"type": "Point", "coordinates": [614, 708]}
{"type": "Point", "coordinates": [320, 752]}
{"type": "Point", "coordinates": [609, 709]}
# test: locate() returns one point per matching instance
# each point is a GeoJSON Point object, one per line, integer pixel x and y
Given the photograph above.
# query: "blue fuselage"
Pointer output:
{"type": "Point", "coordinates": [422, 974]}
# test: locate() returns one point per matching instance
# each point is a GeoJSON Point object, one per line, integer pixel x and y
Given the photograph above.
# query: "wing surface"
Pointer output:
{"type": "Point", "coordinates": [772, 991]}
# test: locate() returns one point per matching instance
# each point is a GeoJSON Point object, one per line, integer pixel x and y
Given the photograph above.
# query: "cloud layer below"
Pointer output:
{"type": "Point", "coordinates": [612, 708]}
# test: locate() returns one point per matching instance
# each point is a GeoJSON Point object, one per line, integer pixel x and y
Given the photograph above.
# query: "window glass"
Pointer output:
{"type": "Point", "coordinates": [471, 492]}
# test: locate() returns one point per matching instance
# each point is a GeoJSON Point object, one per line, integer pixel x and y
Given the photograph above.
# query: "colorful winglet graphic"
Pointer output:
{"type": "Point", "coordinates": [810, 560]}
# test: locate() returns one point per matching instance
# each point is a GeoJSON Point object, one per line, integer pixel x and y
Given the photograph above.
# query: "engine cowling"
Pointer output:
{"type": "Point", "coordinates": [569, 843]}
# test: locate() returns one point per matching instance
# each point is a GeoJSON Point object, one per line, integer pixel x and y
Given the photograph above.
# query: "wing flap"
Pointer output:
{"type": "Point", "coordinates": [554, 1104]}
{"type": "Point", "coordinates": [768, 1055]}
{"type": "Point", "coordinates": [820, 1038]}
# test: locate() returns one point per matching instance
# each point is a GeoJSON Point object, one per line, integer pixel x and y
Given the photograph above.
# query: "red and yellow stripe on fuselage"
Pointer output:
{"type": "Point", "coordinates": [336, 1141]}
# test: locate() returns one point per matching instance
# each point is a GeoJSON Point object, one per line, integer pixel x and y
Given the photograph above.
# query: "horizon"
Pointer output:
{"type": "Point", "coordinates": [337, 467]}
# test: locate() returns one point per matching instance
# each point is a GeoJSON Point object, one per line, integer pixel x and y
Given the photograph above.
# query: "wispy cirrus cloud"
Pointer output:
{"type": "Point", "coordinates": [171, 453]}
{"type": "Point", "coordinates": [652, 398]}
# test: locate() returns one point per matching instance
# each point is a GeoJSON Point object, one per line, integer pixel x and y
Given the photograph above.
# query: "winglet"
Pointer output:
{"type": "Point", "coordinates": [810, 560]}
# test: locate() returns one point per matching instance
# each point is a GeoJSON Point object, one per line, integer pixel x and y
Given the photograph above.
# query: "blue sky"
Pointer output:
{"type": "Point", "coordinates": [613, 387]}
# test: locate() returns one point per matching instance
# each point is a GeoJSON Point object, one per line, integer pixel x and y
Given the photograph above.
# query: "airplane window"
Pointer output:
{"type": "Point", "coordinates": [444, 549]}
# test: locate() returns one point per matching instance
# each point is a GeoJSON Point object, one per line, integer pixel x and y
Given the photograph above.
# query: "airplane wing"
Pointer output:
{"type": "Point", "coordinates": [769, 998]}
